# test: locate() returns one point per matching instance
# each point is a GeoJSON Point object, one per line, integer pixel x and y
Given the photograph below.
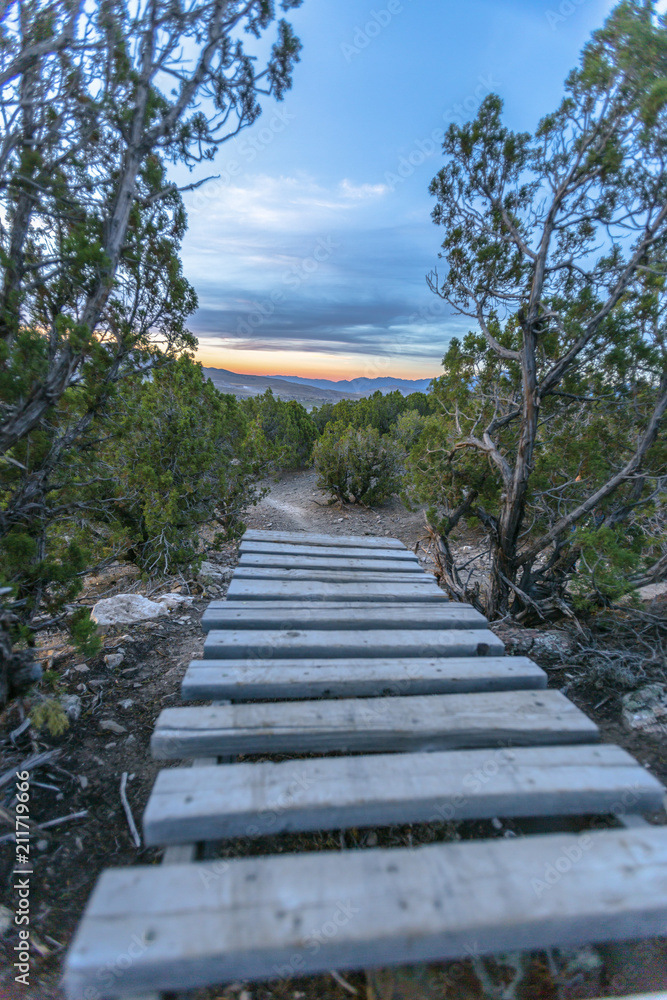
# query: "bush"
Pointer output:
{"type": "Point", "coordinates": [358, 465]}
{"type": "Point", "coordinates": [183, 456]}
{"type": "Point", "coordinates": [285, 431]}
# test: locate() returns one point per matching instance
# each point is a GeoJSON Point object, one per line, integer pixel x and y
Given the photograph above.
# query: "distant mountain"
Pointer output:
{"type": "Point", "coordinates": [310, 392]}
{"type": "Point", "coordinates": [243, 386]}
{"type": "Point", "coordinates": [363, 386]}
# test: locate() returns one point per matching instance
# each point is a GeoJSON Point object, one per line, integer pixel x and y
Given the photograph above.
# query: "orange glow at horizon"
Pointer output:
{"type": "Point", "coordinates": [309, 364]}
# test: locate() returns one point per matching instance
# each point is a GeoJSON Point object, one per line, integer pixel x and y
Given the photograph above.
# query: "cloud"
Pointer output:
{"type": "Point", "coordinates": [287, 263]}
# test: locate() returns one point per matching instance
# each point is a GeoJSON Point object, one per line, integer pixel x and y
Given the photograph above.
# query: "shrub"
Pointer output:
{"type": "Point", "coordinates": [285, 431]}
{"type": "Point", "coordinates": [358, 465]}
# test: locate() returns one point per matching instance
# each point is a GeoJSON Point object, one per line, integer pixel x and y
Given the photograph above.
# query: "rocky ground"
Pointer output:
{"type": "Point", "coordinates": [119, 694]}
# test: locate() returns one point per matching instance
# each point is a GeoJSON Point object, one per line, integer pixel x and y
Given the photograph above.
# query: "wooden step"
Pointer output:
{"type": "Point", "coordinates": [315, 538]}
{"type": "Point", "coordinates": [276, 644]}
{"type": "Point", "coordinates": [250, 800]}
{"type": "Point", "coordinates": [342, 563]}
{"type": "Point", "coordinates": [343, 617]}
{"type": "Point", "coordinates": [265, 614]}
{"type": "Point", "coordinates": [362, 552]}
{"type": "Point", "coordinates": [310, 590]}
{"type": "Point", "coordinates": [334, 575]}
{"type": "Point", "coordinates": [358, 725]}
{"type": "Point", "coordinates": [247, 680]}
{"type": "Point", "coordinates": [288, 915]}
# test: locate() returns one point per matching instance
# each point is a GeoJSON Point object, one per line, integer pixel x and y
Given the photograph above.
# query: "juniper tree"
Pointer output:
{"type": "Point", "coordinates": [550, 409]}
{"type": "Point", "coordinates": [96, 101]}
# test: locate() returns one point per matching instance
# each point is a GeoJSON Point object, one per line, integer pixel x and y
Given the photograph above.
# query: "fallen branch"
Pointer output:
{"type": "Point", "coordinates": [128, 812]}
{"type": "Point", "coordinates": [29, 764]}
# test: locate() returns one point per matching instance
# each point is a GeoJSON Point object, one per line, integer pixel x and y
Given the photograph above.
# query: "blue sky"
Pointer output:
{"type": "Point", "coordinates": [309, 253]}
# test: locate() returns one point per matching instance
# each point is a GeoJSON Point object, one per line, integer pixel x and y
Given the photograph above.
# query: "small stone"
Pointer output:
{"type": "Point", "coordinates": [114, 660]}
{"type": "Point", "coordinates": [112, 726]}
{"type": "Point", "coordinates": [83, 781]}
{"type": "Point", "coordinates": [42, 845]}
{"type": "Point", "coordinates": [71, 704]}
{"type": "Point", "coordinates": [126, 703]}
{"type": "Point", "coordinates": [81, 667]}
{"type": "Point", "coordinates": [96, 682]}
{"type": "Point", "coordinates": [214, 573]}
{"type": "Point", "coordinates": [174, 600]}
{"type": "Point", "coordinates": [130, 738]}
{"type": "Point", "coordinates": [6, 920]}
{"type": "Point", "coordinates": [372, 839]}
{"type": "Point", "coordinates": [110, 746]}
{"type": "Point", "coordinates": [645, 710]}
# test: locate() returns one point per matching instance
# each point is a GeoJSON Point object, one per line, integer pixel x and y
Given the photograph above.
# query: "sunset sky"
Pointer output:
{"type": "Point", "coordinates": [309, 253]}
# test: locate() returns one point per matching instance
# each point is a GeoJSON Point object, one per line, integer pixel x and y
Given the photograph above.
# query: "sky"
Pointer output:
{"type": "Point", "coordinates": [310, 251]}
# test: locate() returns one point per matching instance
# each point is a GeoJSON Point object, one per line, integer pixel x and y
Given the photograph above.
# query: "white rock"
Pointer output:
{"type": "Point", "coordinates": [172, 601]}
{"type": "Point", "coordinates": [112, 726]}
{"type": "Point", "coordinates": [125, 609]}
{"type": "Point", "coordinates": [71, 704]}
{"type": "Point", "coordinates": [126, 703]}
{"type": "Point", "coordinates": [114, 660]}
{"type": "Point", "coordinates": [83, 781]}
{"type": "Point", "coordinates": [645, 710]}
{"type": "Point", "coordinates": [214, 573]}
{"type": "Point", "coordinates": [652, 591]}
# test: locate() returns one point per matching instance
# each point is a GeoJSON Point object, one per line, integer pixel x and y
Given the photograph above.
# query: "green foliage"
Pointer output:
{"type": "Point", "coordinates": [380, 410]}
{"type": "Point", "coordinates": [50, 715]}
{"type": "Point", "coordinates": [84, 633]}
{"type": "Point", "coordinates": [548, 414]}
{"type": "Point", "coordinates": [93, 301]}
{"type": "Point", "coordinates": [182, 454]}
{"type": "Point", "coordinates": [608, 557]}
{"type": "Point", "coordinates": [358, 464]}
{"type": "Point", "coordinates": [284, 431]}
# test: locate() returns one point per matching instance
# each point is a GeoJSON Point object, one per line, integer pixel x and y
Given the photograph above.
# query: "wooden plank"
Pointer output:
{"type": "Point", "coordinates": [315, 538]}
{"type": "Point", "coordinates": [274, 644]}
{"type": "Point", "coordinates": [245, 680]}
{"type": "Point", "coordinates": [332, 575]}
{"type": "Point", "coordinates": [310, 590]}
{"type": "Point", "coordinates": [349, 565]}
{"type": "Point", "coordinates": [180, 851]}
{"type": "Point", "coordinates": [361, 552]}
{"type": "Point", "coordinates": [285, 916]}
{"type": "Point", "coordinates": [358, 725]}
{"type": "Point", "coordinates": [250, 800]}
{"type": "Point", "coordinates": [354, 616]}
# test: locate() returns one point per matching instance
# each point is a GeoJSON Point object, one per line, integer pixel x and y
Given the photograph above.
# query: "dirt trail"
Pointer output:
{"type": "Point", "coordinates": [296, 504]}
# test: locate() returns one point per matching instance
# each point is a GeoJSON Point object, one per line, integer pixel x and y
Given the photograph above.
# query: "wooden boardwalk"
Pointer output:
{"type": "Point", "coordinates": [343, 645]}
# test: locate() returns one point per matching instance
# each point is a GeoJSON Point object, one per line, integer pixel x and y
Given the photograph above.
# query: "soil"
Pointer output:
{"type": "Point", "coordinates": [86, 776]}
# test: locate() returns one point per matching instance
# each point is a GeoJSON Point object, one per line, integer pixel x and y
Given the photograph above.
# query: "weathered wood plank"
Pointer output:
{"type": "Point", "coordinates": [284, 916]}
{"type": "Point", "coordinates": [361, 552]}
{"type": "Point", "coordinates": [247, 680]}
{"type": "Point", "coordinates": [274, 644]}
{"type": "Point", "coordinates": [310, 590]}
{"type": "Point", "coordinates": [250, 800]}
{"type": "Point", "coordinates": [358, 725]}
{"type": "Point", "coordinates": [332, 575]}
{"type": "Point", "coordinates": [359, 616]}
{"type": "Point", "coordinates": [341, 563]}
{"type": "Point", "coordinates": [315, 538]}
